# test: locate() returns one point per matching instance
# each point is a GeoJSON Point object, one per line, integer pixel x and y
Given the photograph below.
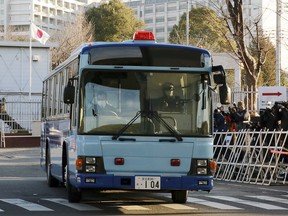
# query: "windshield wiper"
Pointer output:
{"type": "Point", "coordinates": [151, 115]}
{"type": "Point", "coordinates": [156, 116]}
{"type": "Point", "coordinates": [122, 130]}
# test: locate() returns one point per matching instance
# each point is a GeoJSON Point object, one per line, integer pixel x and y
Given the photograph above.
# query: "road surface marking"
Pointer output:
{"type": "Point", "coordinates": [272, 199]}
{"type": "Point", "coordinates": [212, 204]}
{"type": "Point", "coordinates": [77, 206]}
{"type": "Point", "coordinates": [134, 208]}
{"type": "Point", "coordinates": [248, 202]}
{"type": "Point", "coordinates": [26, 205]}
{"type": "Point", "coordinates": [178, 207]}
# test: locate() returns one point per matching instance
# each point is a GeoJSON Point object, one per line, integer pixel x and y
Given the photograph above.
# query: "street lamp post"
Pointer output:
{"type": "Point", "coordinates": [278, 42]}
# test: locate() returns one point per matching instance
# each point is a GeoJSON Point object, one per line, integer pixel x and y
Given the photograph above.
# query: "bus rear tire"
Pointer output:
{"type": "Point", "coordinates": [51, 181]}
{"type": "Point", "coordinates": [74, 196]}
{"type": "Point", "coordinates": [179, 196]}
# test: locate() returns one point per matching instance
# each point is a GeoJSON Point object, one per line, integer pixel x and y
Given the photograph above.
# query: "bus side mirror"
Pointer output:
{"type": "Point", "coordinates": [219, 78]}
{"type": "Point", "coordinates": [225, 94]}
{"type": "Point", "coordinates": [69, 93]}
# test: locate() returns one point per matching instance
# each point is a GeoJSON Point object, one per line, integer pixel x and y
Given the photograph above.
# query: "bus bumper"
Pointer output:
{"type": "Point", "coordinates": [204, 183]}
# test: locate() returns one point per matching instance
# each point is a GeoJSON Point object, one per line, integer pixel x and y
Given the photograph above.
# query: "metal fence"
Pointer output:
{"type": "Point", "coordinates": [248, 95]}
{"type": "Point", "coordinates": [256, 157]}
{"type": "Point", "coordinates": [18, 115]}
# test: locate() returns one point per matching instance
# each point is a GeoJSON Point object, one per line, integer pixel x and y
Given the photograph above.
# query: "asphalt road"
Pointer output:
{"type": "Point", "coordinates": [23, 191]}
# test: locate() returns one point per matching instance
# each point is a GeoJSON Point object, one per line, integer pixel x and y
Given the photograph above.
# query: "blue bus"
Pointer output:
{"type": "Point", "coordinates": [132, 115]}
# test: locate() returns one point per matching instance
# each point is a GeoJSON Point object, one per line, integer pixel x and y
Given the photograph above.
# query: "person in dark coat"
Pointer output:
{"type": "Point", "coordinates": [242, 117]}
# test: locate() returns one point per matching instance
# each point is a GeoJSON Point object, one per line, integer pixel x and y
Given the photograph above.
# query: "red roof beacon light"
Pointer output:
{"type": "Point", "coordinates": [143, 35]}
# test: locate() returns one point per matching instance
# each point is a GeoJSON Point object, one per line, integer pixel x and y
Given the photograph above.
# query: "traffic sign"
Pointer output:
{"type": "Point", "coordinates": [271, 94]}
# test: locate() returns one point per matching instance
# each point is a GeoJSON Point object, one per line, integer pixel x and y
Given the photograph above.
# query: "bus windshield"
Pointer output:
{"type": "Point", "coordinates": [139, 103]}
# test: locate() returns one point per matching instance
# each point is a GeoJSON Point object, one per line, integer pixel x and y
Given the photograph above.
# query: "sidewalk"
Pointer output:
{"type": "Point", "coordinates": [26, 158]}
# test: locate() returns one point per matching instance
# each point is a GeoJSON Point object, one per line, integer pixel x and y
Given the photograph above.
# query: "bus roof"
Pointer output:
{"type": "Point", "coordinates": [86, 47]}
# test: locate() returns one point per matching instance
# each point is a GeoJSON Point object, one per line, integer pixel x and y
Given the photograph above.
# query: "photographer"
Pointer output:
{"type": "Point", "coordinates": [219, 126]}
{"type": "Point", "coordinates": [219, 119]}
{"type": "Point", "coordinates": [268, 118]}
{"type": "Point", "coordinates": [242, 117]}
{"type": "Point", "coordinates": [232, 118]}
{"type": "Point", "coordinates": [269, 121]}
{"type": "Point", "coordinates": [283, 116]}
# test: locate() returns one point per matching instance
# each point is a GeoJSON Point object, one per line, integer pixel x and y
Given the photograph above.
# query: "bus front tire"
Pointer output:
{"type": "Point", "coordinates": [179, 196]}
{"type": "Point", "coordinates": [74, 196]}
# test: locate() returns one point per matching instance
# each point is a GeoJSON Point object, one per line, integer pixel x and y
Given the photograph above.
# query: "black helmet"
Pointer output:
{"type": "Point", "coordinates": [168, 86]}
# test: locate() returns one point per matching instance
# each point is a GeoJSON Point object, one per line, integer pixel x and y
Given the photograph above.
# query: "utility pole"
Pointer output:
{"type": "Point", "coordinates": [278, 41]}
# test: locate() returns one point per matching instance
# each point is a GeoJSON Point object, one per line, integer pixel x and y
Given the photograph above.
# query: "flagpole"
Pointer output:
{"type": "Point", "coordinates": [30, 52]}
{"type": "Point", "coordinates": [30, 62]}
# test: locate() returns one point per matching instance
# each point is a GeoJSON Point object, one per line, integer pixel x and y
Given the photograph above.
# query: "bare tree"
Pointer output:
{"type": "Point", "coordinates": [251, 65]}
{"type": "Point", "coordinates": [69, 38]}
{"type": "Point", "coordinates": [15, 34]}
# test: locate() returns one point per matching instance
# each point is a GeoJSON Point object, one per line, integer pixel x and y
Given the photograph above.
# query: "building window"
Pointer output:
{"type": "Point", "coordinates": [160, 8]}
{"type": "Point", "coordinates": [169, 29]}
{"type": "Point", "coordinates": [171, 19]}
{"type": "Point", "coordinates": [148, 20]}
{"type": "Point", "coordinates": [160, 19]}
{"type": "Point", "coordinates": [183, 5]}
{"type": "Point", "coordinates": [160, 29]}
{"type": "Point", "coordinates": [148, 10]}
{"type": "Point", "coordinates": [149, 29]}
{"type": "Point", "coordinates": [174, 8]}
{"type": "Point", "coordinates": [161, 40]}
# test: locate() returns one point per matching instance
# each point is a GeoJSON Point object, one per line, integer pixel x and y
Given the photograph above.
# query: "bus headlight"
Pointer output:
{"type": "Point", "coordinates": [90, 164]}
{"type": "Point", "coordinates": [90, 160]}
{"type": "Point", "coordinates": [201, 171]}
{"type": "Point", "coordinates": [200, 167]}
{"type": "Point", "coordinates": [90, 168]}
{"type": "Point", "coordinates": [202, 162]}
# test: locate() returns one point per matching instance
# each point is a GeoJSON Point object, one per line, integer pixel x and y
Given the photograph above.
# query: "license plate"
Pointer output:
{"type": "Point", "coordinates": [147, 183]}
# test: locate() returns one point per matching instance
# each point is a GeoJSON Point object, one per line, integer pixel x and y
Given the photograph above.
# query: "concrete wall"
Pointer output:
{"type": "Point", "coordinates": [15, 67]}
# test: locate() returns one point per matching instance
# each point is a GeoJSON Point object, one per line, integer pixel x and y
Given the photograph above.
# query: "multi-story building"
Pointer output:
{"type": "Point", "coordinates": [160, 16]}
{"type": "Point", "coordinates": [50, 15]}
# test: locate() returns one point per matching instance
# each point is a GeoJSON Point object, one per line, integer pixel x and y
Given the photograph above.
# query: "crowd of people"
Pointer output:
{"type": "Point", "coordinates": [273, 118]}
{"type": "Point", "coordinates": [237, 117]}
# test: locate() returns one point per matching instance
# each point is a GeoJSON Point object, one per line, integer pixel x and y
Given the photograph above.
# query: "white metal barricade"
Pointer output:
{"type": "Point", "coordinates": [254, 157]}
{"type": "Point", "coordinates": [3, 143]}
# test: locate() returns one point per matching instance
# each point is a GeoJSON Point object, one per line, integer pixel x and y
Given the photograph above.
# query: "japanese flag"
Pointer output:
{"type": "Point", "coordinates": [39, 34]}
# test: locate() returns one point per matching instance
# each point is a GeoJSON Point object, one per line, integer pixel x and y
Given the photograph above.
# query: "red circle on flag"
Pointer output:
{"type": "Point", "coordinates": [39, 33]}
